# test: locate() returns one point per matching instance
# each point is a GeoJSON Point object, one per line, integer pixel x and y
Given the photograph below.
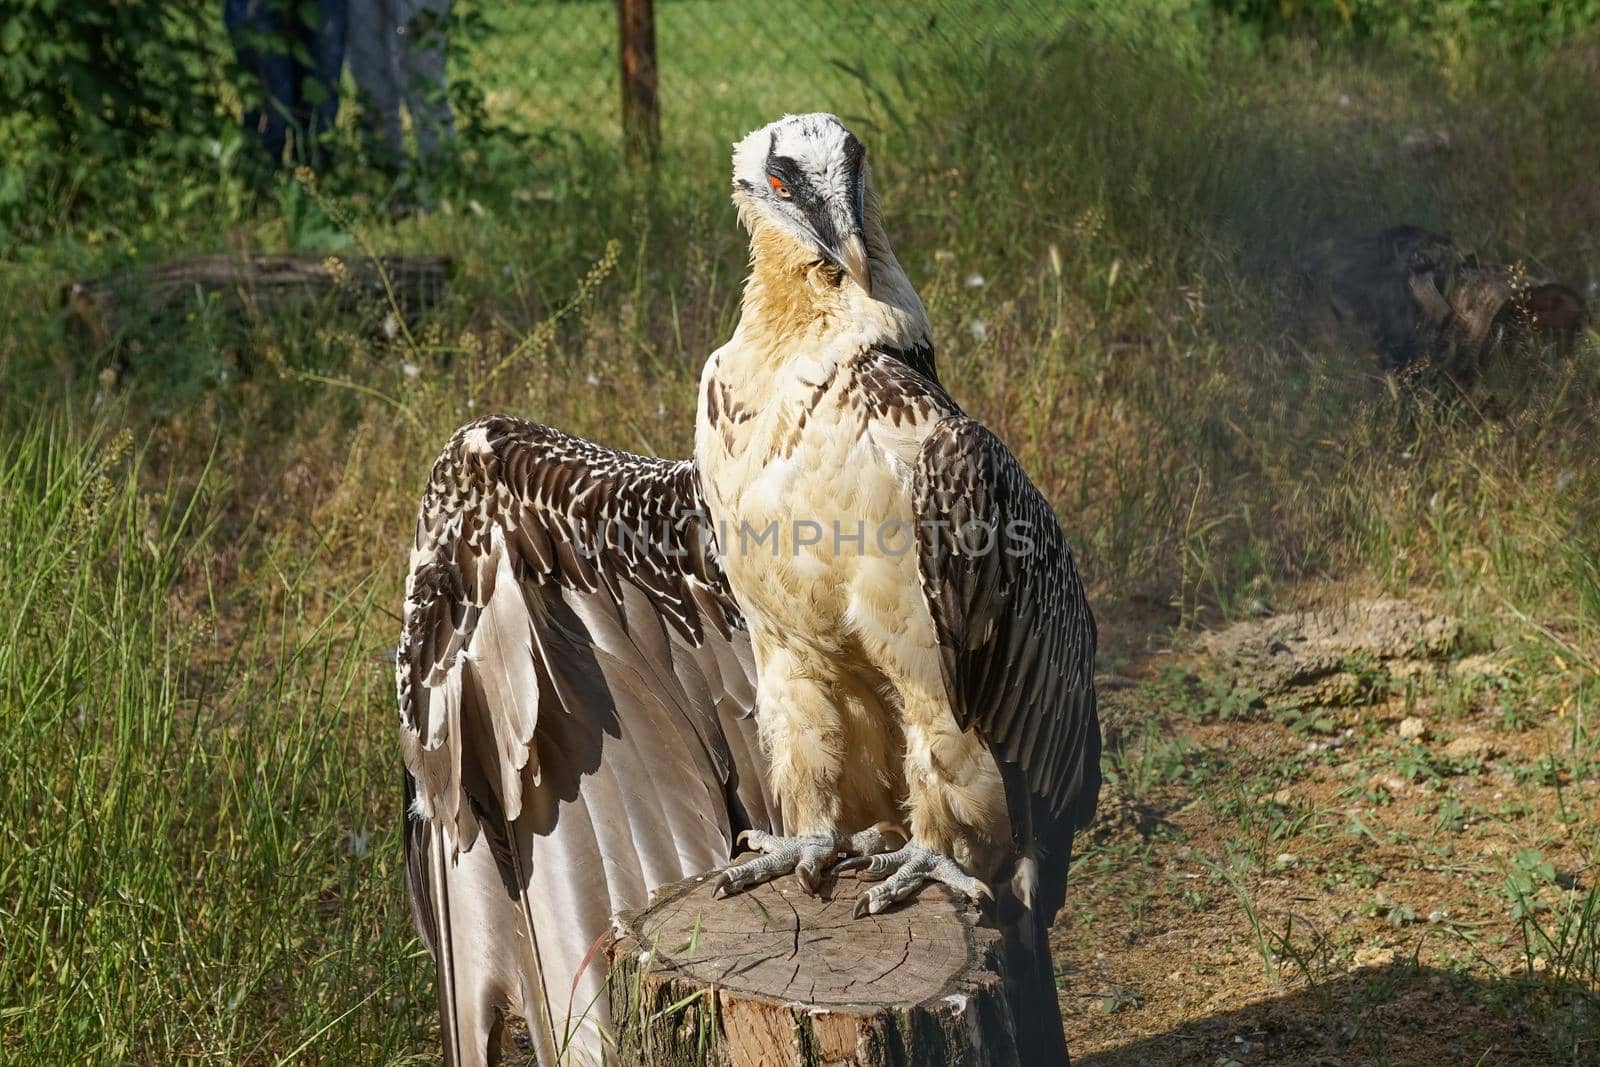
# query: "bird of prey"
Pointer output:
{"type": "Point", "coordinates": [849, 632]}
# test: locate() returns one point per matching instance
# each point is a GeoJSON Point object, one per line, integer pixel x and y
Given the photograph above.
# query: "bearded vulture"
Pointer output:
{"type": "Point", "coordinates": [849, 632]}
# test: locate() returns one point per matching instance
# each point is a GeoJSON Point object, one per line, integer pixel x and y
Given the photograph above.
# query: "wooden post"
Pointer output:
{"type": "Point", "coordinates": [775, 977]}
{"type": "Point", "coordinates": [641, 119]}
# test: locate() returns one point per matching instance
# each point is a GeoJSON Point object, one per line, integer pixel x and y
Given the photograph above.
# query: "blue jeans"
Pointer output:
{"type": "Point", "coordinates": [274, 44]}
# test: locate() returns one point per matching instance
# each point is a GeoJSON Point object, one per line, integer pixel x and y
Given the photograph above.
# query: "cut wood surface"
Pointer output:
{"type": "Point", "coordinates": [775, 977]}
{"type": "Point", "coordinates": [102, 306]}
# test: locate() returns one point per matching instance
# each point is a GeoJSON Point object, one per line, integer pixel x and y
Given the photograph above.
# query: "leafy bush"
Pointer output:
{"type": "Point", "coordinates": [1515, 22]}
{"type": "Point", "coordinates": [129, 110]}
{"type": "Point", "coordinates": [84, 84]}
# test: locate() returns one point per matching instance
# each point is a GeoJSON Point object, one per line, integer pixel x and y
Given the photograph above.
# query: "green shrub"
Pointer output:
{"type": "Point", "coordinates": [1514, 22]}
{"type": "Point", "coordinates": [82, 85]}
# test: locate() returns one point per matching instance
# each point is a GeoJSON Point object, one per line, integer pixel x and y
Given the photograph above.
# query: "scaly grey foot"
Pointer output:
{"type": "Point", "coordinates": [807, 855]}
{"type": "Point", "coordinates": [904, 871]}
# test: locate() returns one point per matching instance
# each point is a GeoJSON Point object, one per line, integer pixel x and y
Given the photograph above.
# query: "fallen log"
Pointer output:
{"type": "Point", "coordinates": [775, 977]}
{"type": "Point", "coordinates": [103, 307]}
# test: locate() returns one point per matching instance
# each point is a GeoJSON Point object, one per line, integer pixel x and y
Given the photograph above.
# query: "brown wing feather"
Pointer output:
{"type": "Point", "coordinates": [1017, 635]}
{"type": "Point", "coordinates": [575, 693]}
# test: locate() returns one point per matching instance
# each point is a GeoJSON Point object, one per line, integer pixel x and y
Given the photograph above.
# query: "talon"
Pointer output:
{"type": "Point", "coordinates": [908, 868]}
{"type": "Point", "coordinates": [873, 868]}
{"type": "Point", "coordinates": [804, 855]}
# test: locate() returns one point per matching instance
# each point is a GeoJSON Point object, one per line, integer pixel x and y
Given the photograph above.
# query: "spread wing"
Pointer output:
{"type": "Point", "coordinates": [1016, 634]}
{"type": "Point", "coordinates": [575, 694]}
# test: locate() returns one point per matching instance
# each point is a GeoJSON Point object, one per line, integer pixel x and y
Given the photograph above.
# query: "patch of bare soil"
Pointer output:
{"type": "Point", "coordinates": [1332, 841]}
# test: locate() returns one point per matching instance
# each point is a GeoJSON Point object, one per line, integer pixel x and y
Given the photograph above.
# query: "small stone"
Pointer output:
{"type": "Point", "coordinates": [1283, 798]}
{"type": "Point", "coordinates": [1412, 728]}
{"type": "Point", "coordinates": [1478, 667]}
{"type": "Point", "coordinates": [1389, 783]}
{"type": "Point", "coordinates": [1469, 747]}
{"type": "Point", "coordinates": [1286, 860]}
{"type": "Point", "coordinates": [1438, 915]}
{"type": "Point", "coordinates": [1374, 956]}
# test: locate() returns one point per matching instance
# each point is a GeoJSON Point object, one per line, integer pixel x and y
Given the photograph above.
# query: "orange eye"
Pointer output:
{"type": "Point", "coordinates": [778, 186]}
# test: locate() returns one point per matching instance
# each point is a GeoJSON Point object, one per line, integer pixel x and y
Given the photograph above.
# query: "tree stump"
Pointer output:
{"type": "Point", "coordinates": [775, 977]}
{"type": "Point", "coordinates": [103, 306]}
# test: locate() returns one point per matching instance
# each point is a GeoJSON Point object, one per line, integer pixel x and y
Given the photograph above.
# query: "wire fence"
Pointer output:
{"type": "Point", "coordinates": [553, 68]}
{"type": "Point", "coordinates": [157, 84]}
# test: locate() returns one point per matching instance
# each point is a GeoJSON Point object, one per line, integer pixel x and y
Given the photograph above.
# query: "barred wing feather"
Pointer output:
{"type": "Point", "coordinates": [1015, 630]}
{"type": "Point", "coordinates": [576, 694]}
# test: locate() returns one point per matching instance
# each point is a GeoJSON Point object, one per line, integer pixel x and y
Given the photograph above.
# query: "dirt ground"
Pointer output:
{"type": "Point", "coordinates": [1335, 839]}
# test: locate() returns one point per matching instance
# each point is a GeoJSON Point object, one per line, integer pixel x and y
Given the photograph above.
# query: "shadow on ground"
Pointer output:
{"type": "Point", "coordinates": [1398, 1016]}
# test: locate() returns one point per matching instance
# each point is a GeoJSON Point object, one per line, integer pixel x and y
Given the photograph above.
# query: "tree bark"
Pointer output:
{"type": "Point", "coordinates": [775, 977]}
{"type": "Point", "coordinates": [102, 306]}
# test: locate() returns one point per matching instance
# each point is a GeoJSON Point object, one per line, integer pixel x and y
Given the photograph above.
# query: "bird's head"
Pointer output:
{"type": "Point", "coordinates": [806, 177]}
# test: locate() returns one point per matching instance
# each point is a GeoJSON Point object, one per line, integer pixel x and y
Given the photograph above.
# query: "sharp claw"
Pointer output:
{"type": "Point", "coordinates": [806, 856]}
{"type": "Point", "coordinates": [908, 868]}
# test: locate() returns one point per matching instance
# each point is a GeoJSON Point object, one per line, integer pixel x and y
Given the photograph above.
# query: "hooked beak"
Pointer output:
{"type": "Point", "coordinates": [852, 253]}
{"type": "Point", "coordinates": [835, 220]}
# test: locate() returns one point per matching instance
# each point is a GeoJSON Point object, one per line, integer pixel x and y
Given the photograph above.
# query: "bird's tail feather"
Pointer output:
{"type": "Point", "coordinates": [1041, 1038]}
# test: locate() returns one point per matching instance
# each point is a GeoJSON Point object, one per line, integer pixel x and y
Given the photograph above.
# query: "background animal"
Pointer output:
{"type": "Point", "coordinates": [1429, 305]}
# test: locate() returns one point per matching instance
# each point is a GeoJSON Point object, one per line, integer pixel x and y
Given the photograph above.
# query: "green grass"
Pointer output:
{"type": "Point", "coordinates": [201, 809]}
{"type": "Point", "coordinates": [201, 858]}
